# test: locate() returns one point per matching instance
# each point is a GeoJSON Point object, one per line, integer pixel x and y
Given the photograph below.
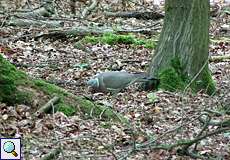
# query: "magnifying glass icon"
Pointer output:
{"type": "Point", "coordinates": [9, 147]}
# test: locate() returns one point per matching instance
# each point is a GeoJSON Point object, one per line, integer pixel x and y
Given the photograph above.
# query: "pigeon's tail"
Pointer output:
{"type": "Point", "coordinates": [151, 83]}
{"type": "Point", "coordinates": [141, 74]}
{"type": "Point", "coordinates": [144, 77]}
{"type": "Point", "coordinates": [147, 82]}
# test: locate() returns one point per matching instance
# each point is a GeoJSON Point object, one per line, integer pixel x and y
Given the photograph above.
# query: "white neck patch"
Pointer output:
{"type": "Point", "coordinates": [97, 82]}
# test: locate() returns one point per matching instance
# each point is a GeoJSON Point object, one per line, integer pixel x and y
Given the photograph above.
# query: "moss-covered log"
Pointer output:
{"type": "Point", "coordinates": [10, 78]}
{"type": "Point", "coordinates": [17, 87]}
{"type": "Point", "coordinates": [182, 52]}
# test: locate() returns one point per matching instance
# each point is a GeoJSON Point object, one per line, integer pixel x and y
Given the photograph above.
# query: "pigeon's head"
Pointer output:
{"type": "Point", "coordinates": [93, 83]}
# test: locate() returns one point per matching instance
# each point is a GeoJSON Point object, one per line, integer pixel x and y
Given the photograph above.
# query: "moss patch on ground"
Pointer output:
{"type": "Point", "coordinates": [10, 78]}
{"type": "Point", "coordinates": [68, 110]}
{"type": "Point", "coordinates": [207, 83]}
{"type": "Point", "coordinates": [112, 39]}
{"type": "Point", "coordinates": [50, 89]}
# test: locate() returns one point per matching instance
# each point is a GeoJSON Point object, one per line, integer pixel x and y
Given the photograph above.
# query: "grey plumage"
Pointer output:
{"type": "Point", "coordinates": [114, 81]}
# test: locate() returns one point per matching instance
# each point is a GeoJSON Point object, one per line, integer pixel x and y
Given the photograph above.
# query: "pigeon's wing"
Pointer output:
{"type": "Point", "coordinates": [116, 80]}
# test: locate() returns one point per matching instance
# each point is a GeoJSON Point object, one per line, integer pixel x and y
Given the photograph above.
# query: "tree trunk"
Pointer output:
{"type": "Point", "coordinates": [181, 57]}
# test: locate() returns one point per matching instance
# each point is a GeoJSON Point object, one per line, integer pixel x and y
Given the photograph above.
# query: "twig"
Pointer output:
{"type": "Point", "coordinates": [91, 138]}
{"type": "Point", "coordinates": [216, 113]}
{"type": "Point", "coordinates": [191, 142]}
{"type": "Point", "coordinates": [225, 123]}
{"type": "Point", "coordinates": [205, 126]}
{"type": "Point", "coordinates": [219, 58]}
{"type": "Point", "coordinates": [169, 131]}
{"type": "Point", "coordinates": [87, 10]}
{"type": "Point", "coordinates": [194, 78]}
{"type": "Point", "coordinates": [48, 106]}
{"type": "Point", "coordinates": [136, 14]}
{"type": "Point", "coordinates": [183, 142]}
{"type": "Point", "coordinates": [3, 22]}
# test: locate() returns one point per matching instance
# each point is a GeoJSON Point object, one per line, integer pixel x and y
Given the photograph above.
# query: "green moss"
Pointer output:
{"type": "Point", "coordinates": [207, 83]}
{"type": "Point", "coordinates": [175, 63]}
{"type": "Point", "coordinates": [50, 89]}
{"type": "Point", "coordinates": [172, 78]}
{"type": "Point", "coordinates": [10, 78]}
{"type": "Point", "coordinates": [53, 90]}
{"type": "Point", "coordinates": [91, 39]}
{"type": "Point", "coordinates": [66, 109]}
{"type": "Point", "coordinates": [112, 39]}
{"type": "Point", "coordinates": [149, 44]}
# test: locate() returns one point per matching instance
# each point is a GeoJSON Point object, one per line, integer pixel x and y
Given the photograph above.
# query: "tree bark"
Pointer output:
{"type": "Point", "coordinates": [183, 45]}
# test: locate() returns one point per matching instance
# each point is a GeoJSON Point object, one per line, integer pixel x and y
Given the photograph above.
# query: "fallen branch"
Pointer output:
{"type": "Point", "coordinates": [29, 18]}
{"type": "Point", "coordinates": [45, 10]}
{"type": "Point", "coordinates": [22, 22]}
{"type": "Point", "coordinates": [183, 142]}
{"type": "Point", "coordinates": [196, 140]}
{"type": "Point", "coordinates": [224, 123]}
{"type": "Point", "coordinates": [48, 106]}
{"type": "Point", "coordinates": [135, 14]}
{"type": "Point", "coordinates": [85, 31]}
{"type": "Point", "coordinates": [219, 58]}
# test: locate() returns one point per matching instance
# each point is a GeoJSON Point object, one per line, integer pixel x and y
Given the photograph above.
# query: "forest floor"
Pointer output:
{"type": "Point", "coordinates": [152, 115]}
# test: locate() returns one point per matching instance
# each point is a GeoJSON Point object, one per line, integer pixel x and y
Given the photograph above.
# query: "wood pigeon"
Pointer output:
{"type": "Point", "coordinates": [114, 81]}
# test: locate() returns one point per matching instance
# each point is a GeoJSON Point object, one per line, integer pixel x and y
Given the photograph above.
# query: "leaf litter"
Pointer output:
{"type": "Point", "coordinates": [151, 115]}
